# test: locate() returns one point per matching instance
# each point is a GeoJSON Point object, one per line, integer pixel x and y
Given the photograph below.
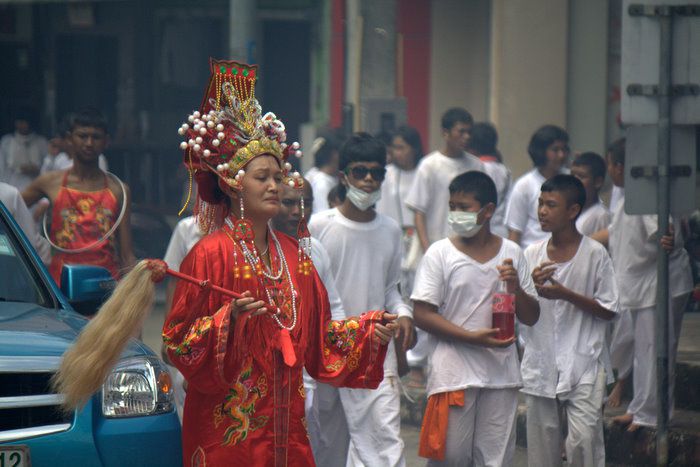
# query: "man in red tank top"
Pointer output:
{"type": "Point", "coordinates": [86, 203]}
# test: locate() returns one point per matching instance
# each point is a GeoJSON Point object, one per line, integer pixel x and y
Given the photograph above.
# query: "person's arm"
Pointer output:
{"type": "Point", "coordinates": [422, 230]}
{"type": "Point", "coordinates": [514, 236]}
{"type": "Point", "coordinates": [36, 190]}
{"type": "Point", "coordinates": [126, 249]}
{"type": "Point", "coordinates": [544, 273]}
{"type": "Point", "coordinates": [427, 318]}
{"type": "Point", "coordinates": [526, 306]}
{"type": "Point", "coordinates": [602, 236]}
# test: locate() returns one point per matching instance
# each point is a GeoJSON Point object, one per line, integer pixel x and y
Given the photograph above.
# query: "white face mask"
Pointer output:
{"type": "Point", "coordinates": [361, 199]}
{"type": "Point", "coordinates": [463, 223]}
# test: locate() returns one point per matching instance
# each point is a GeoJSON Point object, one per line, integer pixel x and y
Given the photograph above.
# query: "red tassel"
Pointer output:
{"type": "Point", "coordinates": [285, 343]}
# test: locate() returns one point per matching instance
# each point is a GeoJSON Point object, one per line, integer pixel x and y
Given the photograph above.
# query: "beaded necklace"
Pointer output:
{"type": "Point", "coordinates": [254, 261]}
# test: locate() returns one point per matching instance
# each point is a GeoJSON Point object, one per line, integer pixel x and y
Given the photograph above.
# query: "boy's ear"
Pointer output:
{"type": "Point", "coordinates": [598, 183]}
{"type": "Point", "coordinates": [488, 211]}
{"type": "Point", "coordinates": [574, 211]}
{"type": "Point", "coordinates": [342, 179]}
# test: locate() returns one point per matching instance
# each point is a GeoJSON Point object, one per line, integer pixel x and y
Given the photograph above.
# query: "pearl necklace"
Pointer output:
{"type": "Point", "coordinates": [252, 259]}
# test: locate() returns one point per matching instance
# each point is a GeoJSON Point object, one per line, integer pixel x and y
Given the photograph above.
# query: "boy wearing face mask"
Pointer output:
{"type": "Point", "coordinates": [473, 377]}
{"type": "Point", "coordinates": [566, 362]}
{"type": "Point", "coordinates": [365, 255]}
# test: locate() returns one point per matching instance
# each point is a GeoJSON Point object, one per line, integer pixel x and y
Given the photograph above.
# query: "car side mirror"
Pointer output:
{"type": "Point", "coordinates": [86, 287]}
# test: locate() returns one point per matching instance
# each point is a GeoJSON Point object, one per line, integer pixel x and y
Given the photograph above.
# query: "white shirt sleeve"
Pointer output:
{"type": "Point", "coordinates": [177, 248]}
{"type": "Point", "coordinates": [606, 293]}
{"type": "Point", "coordinates": [394, 302]}
{"type": "Point", "coordinates": [419, 197]}
{"type": "Point", "coordinates": [24, 219]}
{"type": "Point", "coordinates": [523, 268]}
{"type": "Point", "coordinates": [517, 210]}
{"type": "Point", "coordinates": [429, 285]}
{"type": "Point", "coordinates": [322, 263]}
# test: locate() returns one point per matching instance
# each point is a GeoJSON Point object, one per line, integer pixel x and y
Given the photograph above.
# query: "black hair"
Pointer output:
{"type": "Point", "coordinates": [63, 126]}
{"type": "Point", "coordinates": [475, 183]}
{"type": "Point", "coordinates": [328, 146]}
{"type": "Point", "coordinates": [483, 139]}
{"type": "Point", "coordinates": [412, 138]}
{"type": "Point", "coordinates": [542, 139]}
{"type": "Point", "coordinates": [362, 147]}
{"type": "Point", "coordinates": [88, 116]}
{"type": "Point", "coordinates": [335, 193]}
{"type": "Point", "coordinates": [570, 187]}
{"type": "Point", "coordinates": [456, 115]}
{"type": "Point", "coordinates": [594, 162]}
{"type": "Point", "coordinates": [617, 151]}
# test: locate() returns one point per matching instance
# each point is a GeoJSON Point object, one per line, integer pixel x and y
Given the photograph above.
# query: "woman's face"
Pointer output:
{"type": "Point", "coordinates": [402, 154]}
{"type": "Point", "coordinates": [261, 186]}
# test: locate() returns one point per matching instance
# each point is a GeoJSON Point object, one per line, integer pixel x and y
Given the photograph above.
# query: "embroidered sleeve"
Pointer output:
{"type": "Point", "coordinates": [345, 352]}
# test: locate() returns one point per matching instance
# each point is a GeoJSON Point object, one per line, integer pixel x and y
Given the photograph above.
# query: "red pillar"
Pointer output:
{"type": "Point", "coordinates": [337, 62]}
{"type": "Point", "coordinates": [414, 27]}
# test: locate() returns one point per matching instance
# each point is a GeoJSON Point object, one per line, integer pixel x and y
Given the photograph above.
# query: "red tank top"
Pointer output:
{"type": "Point", "coordinates": [79, 219]}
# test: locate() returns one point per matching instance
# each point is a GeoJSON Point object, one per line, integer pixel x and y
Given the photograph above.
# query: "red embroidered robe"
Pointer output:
{"type": "Point", "coordinates": [244, 406]}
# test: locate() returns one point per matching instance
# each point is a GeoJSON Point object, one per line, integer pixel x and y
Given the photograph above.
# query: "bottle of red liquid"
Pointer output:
{"type": "Point", "coordinates": [503, 309]}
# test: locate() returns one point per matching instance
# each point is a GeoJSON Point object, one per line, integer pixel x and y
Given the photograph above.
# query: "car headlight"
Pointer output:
{"type": "Point", "coordinates": [136, 387]}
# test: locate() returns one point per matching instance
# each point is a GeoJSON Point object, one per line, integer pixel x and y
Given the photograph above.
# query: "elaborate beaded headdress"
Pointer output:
{"type": "Point", "coordinates": [227, 132]}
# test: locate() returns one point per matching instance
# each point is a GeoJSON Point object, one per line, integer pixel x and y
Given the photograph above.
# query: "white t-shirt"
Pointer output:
{"type": "Point", "coordinates": [184, 237]}
{"type": "Point", "coordinates": [395, 189]}
{"type": "Point", "coordinates": [593, 219]}
{"type": "Point", "coordinates": [322, 263]}
{"type": "Point", "coordinates": [430, 194]}
{"type": "Point", "coordinates": [500, 174]}
{"type": "Point", "coordinates": [462, 289]}
{"type": "Point", "coordinates": [521, 213]}
{"type": "Point", "coordinates": [14, 203]}
{"type": "Point", "coordinates": [633, 245]}
{"type": "Point", "coordinates": [365, 261]}
{"type": "Point", "coordinates": [321, 185]}
{"type": "Point", "coordinates": [16, 150]}
{"type": "Point", "coordinates": [617, 195]}
{"type": "Point", "coordinates": [566, 346]}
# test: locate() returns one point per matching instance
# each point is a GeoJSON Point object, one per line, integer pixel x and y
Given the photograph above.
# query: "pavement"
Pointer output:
{"type": "Point", "coordinates": [622, 448]}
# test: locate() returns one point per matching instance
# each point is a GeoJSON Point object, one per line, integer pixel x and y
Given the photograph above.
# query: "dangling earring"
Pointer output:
{"type": "Point", "coordinates": [304, 240]}
{"type": "Point", "coordinates": [243, 229]}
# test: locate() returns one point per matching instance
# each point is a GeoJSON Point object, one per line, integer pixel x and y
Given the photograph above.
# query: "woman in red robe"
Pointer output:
{"type": "Point", "coordinates": [243, 359]}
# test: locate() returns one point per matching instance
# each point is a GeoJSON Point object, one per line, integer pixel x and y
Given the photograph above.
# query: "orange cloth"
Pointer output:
{"type": "Point", "coordinates": [433, 431]}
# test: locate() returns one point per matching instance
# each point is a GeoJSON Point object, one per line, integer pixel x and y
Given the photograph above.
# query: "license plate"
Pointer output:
{"type": "Point", "coordinates": [14, 456]}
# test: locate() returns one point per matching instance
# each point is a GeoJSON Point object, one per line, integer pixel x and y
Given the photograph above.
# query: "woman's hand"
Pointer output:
{"type": "Point", "coordinates": [385, 330]}
{"type": "Point", "coordinates": [247, 303]}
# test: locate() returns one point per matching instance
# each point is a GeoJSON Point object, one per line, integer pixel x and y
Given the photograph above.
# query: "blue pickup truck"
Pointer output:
{"type": "Point", "coordinates": [130, 422]}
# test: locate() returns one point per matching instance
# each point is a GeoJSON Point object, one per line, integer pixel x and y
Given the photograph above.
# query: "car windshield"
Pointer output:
{"type": "Point", "coordinates": [19, 278]}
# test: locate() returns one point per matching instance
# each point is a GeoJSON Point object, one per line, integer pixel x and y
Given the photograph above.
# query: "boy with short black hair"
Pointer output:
{"type": "Point", "coordinates": [428, 197]}
{"type": "Point", "coordinates": [365, 254]}
{"type": "Point", "coordinates": [548, 149]}
{"type": "Point", "coordinates": [565, 361]}
{"type": "Point", "coordinates": [86, 203]}
{"type": "Point", "coordinates": [589, 167]}
{"type": "Point", "coordinates": [473, 377]}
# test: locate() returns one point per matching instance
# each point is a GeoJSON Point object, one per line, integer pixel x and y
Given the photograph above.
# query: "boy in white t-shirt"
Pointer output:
{"type": "Point", "coordinates": [548, 149]}
{"type": "Point", "coordinates": [428, 197]}
{"type": "Point", "coordinates": [633, 242]}
{"type": "Point", "coordinates": [473, 377]}
{"type": "Point", "coordinates": [589, 167]}
{"type": "Point", "coordinates": [365, 253]}
{"type": "Point", "coordinates": [564, 366]}
{"type": "Point", "coordinates": [482, 143]}
{"type": "Point", "coordinates": [323, 176]}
